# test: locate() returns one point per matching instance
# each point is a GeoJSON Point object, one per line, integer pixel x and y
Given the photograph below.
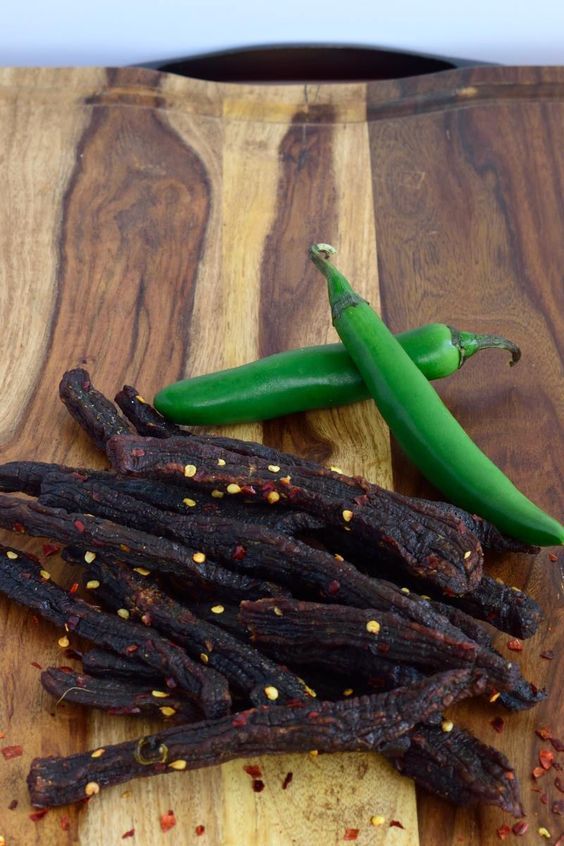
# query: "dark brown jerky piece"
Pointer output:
{"type": "Point", "coordinates": [365, 723]}
{"type": "Point", "coordinates": [101, 663]}
{"type": "Point", "coordinates": [118, 697]}
{"type": "Point", "coordinates": [136, 548]}
{"type": "Point", "coordinates": [523, 695]}
{"type": "Point", "coordinates": [21, 580]}
{"type": "Point", "coordinates": [312, 628]}
{"type": "Point", "coordinates": [245, 668]}
{"type": "Point", "coordinates": [428, 545]}
{"type": "Point", "coordinates": [458, 767]}
{"type": "Point", "coordinates": [91, 409]}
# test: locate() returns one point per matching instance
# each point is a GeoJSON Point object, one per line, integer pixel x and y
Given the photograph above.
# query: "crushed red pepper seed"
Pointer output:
{"type": "Point", "coordinates": [351, 833]}
{"type": "Point", "coordinates": [10, 752]}
{"type": "Point", "coordinates": [168, 821]}
{"type": "Point", "coordinates": [546, 758]}
{"type": "Point", "coordinates": [503, 831]}
{"type": "Point", "coordinates": [520, 828]}
{"type": "Point", "coordinates": [497, 724]}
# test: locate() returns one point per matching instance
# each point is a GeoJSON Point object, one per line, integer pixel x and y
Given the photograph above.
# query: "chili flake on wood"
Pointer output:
{"type": "Point", "coordinates": [10, 752]}
{"type": "Point", "coordinates": [351, 833]}
{"type": "Point", "coordinates": [168, 821]}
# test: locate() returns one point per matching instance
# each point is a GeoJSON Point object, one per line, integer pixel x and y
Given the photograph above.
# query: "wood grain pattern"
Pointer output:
{"type": "Point", "coordinates": [153, 227]}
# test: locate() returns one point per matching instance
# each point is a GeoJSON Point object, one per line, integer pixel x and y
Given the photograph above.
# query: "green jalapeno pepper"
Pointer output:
{"type": "Point", "coordinates": [421, 423]}
{"type": "Point", "coordinates": [311, 377]}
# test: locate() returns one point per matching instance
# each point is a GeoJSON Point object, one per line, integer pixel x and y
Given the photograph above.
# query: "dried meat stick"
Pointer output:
{"type": "Point", "coordinates": [313, 629]}
{"type": "Point", "coordinates": [101, 663]}
{"type": "Point", "coordinates": [134, 547]}
{"type": "Point", "coordinates": [118, 697]}
{"type": "Point", "coordinates": [23, 580]}
{"type": "Point", "coordinates": [367, 723]}
{"type": "Point", "coordinates": [96, 414]}
{"type": "Point", "coordinates": [148, 421]}
{"type": "Point", "coordinates": [452, 763]}
{"type": "Point", "coordinates": [246, 669]}
{"type": "Point", "coordinates": [441, 550]}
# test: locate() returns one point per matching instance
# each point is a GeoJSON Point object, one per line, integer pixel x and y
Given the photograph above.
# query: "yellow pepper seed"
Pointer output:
{"type": "Point", "coordinates": [495, 696]}
{"type": "Point", "coordinates": [92, 584]}
{"type": "Point", "coordinates": [278, 611]}
{"type": "Point", "coordinates": [11, 555]}
{"type": "Point", "coordinates": [167, 711]}
{"type": "Point", "coordinates": [447, 725]}
{"type": "Point", "coordinates": [233, 488]}
{"type": "Point", "coordinates": [274, 468]}
{"type": "Point", "coordinates": [123, 613]}
{"type": "Point", "coordinates": [467, 554]}
{"type": "Point", "coordinates": [347, 515]}
{"type": "Point", "coordinates": [217, 494]}
{"type": "Point", "coordinates": [198, 557]}
{"type": "Point", "coordinates": [217, 609]}
{"type": "Point", "coordinates": [405, 590]}
{"type": "Point", "coordinates": [89, 556]}
{"type": "Point", "coordinates": [271, 693]}
{"type": "Point", "coordinates": [178, 765]}
{"type": "Point", "coordinates": [191, 503]}
{"type": "Point", "coordinates": [339, 557]}
{"type": "Point", "coordinates": [336, 469]}
{"type": "Point", "coordinates": [348, 691]}
{"type": "Point", "coordinates": [139, 398]}
{"type": "Point", "coordinates": [190, 470]}
{"type": "Point", "coordinates": [313, 753]}
{"type": "Point", "coordinates": [45, 574]}
{"type": "Point", "coordinates": [204, 658]}
{"type": "Point", "coordinates": [92, 788]}
{"type": "Point", "coordinates": [142, 571]}
{"type": "Point", "coordinates": [160, 694]}
{"type": "Point", "coordinates": [310, 692]}
{"type": "Point", "coordinates": [97, 753]}
{"type": "Point", "coordinates": [273, 497]}
{"type": "Point", "coordinates": [220, 462]}
{"type": "Point", "coordinates": [373, 626]}
{"type": "Point", "coordinates": [63, 642]}
{"type": "Point", "coordinates": [377, 820]}
{"type": "Point", "coordinates": [544, 832]}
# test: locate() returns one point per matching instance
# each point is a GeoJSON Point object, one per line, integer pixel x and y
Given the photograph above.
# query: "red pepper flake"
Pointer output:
{"type": "Point", "coordinates": [396, 824]}
{"type": "Point", "coordinates": [520, 828]}
{"type": "Point", "coordinates": [558, 784]}
{"type": "Point", "coordinates": [10, 752]}
{"type": "Point", "coordinates": [253, 770]}
{"type": "Point", "coordinates": [503, 831]}
{"type": "Point", "coordinates": [515, 645]}
{"type": "Point", "coordinates": [50, 549]}
{"type": "Point", "coordinates": [538, 772]}
{"type": "Point", "coordinates": [552, 557]}
{"type": "Point", "coordinates": [35, 619]}
{"type": "Point", "coordinates": [543, 732]}
{"type": "Point", "coordinates": [79, 526]}
{"type": "Point", "coordinates": [333, 587]}
{"type": "Point", "coordinates": [497, 724]}
{"type": "Point", "coordinates": [64, 822]}
{"type": "Point", "coordinates": [129, 833]}
{"type": "Point", "coordinates": [13, 805]}
{"type": "Point", "coordinates": [548, 654]}
{"type": "Point", "coordinates": [258, 785]}
{"type": "Point", "coordinates": [74, 587]}
{"type": "Point", "coordinates": [19, 527]}
{"type": "Point", "coordinates": [200, 829]}
{"type": "Point", "coordinates": [351, 833]}
{"type": "Point", "coordinates": [240, 719]}
{"type": "Point", "coordinates": [509, 775]}
{"type": "Point", "coordinates": [36, 664]}
{"type": "Point", "coordinates": [238, 553]}
{"type": "Point", "coordinates": [557, 807]}
{"type": "Point", "coordinates": [287, 779]}
{"type": "Point", "coordinates": [38, 815]}
{"type": "Point", "coordinates": [546, 758]}
{"type": "Point", "coordinates": [168, 821]}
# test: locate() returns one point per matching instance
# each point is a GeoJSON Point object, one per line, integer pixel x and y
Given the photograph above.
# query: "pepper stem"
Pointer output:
{"type": "Point", "coordinates": [470, 343]}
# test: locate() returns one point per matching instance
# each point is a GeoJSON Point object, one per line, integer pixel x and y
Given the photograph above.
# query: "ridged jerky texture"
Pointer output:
{"type": "Point", "coordinates": [21, 580]}
{"type": "Point", "coordinates": [246, 670]}
{"type": "Point", "coordinates": [96, 414]}
{"type": "Point", "coordinates": [101, 663]}
{"type": "Point", "coordinates": [367, 723]}
{"type": "Point", "coordinates": [134, 547]}
{"type": "Point", "coordinates": [438, 548]}
{"type": "Point", "coordinates": [458, 767]}
{"type": "Point", "coordinates": [311, 628]}
{"type": "Point", "coordinates": [117, 697]}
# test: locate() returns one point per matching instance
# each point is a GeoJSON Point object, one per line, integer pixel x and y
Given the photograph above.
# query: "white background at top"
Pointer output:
{"type": "Point", "coordinates": [121, 32]}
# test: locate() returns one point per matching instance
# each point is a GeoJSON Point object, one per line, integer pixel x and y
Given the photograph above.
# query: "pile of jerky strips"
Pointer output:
{"type": "Point", "coordinates": [257, 603]}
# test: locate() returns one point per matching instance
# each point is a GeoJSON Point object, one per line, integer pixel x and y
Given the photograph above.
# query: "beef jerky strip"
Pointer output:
{"type": "Point", "coordinates": [136, 548]}
{"type": "Point", "coordinates": [96, 414]}
{"type": "Point", "coordinates": [441, 549]}
{"type": "Point", "coordinates": [22, 580]}
{"type": "Point", "coordinates": [367, 723]}
{"type": "Point", "coordinates": [246, 669]}
{"type": "Point", "coordinates": [147, 421]}
{"type": "Point", "coordinates": [117, 697]}
{"type": "Point", "coordinates": [311, 628]}
{"type": "Point", "coordinates": [457, 766]}
{"type": "Point", "coordinates": [101, 663]}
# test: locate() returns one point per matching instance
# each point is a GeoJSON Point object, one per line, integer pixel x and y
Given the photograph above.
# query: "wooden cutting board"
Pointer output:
{"type": "Point", "coordinates": [153, 226]}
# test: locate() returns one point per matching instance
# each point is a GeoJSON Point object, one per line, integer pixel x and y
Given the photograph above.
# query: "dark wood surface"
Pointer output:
{"type": "Point", "coordinates": [153, 226]}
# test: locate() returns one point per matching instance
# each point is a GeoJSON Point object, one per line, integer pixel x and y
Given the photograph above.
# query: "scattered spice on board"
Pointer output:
{"type": "Point", "coordinates": [520, 828]}
{"type": "Point", "coordinates": [129, 833]}
{"type": "Point", "coordinates": [351, 833]}
{"type": "Point", "coordinates": [35, 816]}
{"type": "Point", "coordinates": [538, 772]}
{"type": "Point", "coordinates": [10, 752]}
{"type": "Point", "coordinates": [287, 780]}
{"type": "Point", "coordinates": [200, 829]}
{"type": "Point", "coordinates": [168, 820]}
{"type": "Point", "coordinates": [543, 732]}
{"type": "Point", "coordinates": [503, 831]}
{"type": "Point", "coordinates": [497, 724]}
{"type": "Point", "coordinates": [36, 664]}
{"type": "Point", "coordinates": [546, 758]}
{"type": "Point", "coordinates": [13, 805]}
{"type": "Point", "coordinates": [253, 770]}
{"type": "Point", "coordinates": [258, 785]}
{"type": "Point", "coordinates": [396, 824]}
{"type": "Point", "coordinates": [64, 822]}
{"type": "Point", "coordinates": [515, 645]}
